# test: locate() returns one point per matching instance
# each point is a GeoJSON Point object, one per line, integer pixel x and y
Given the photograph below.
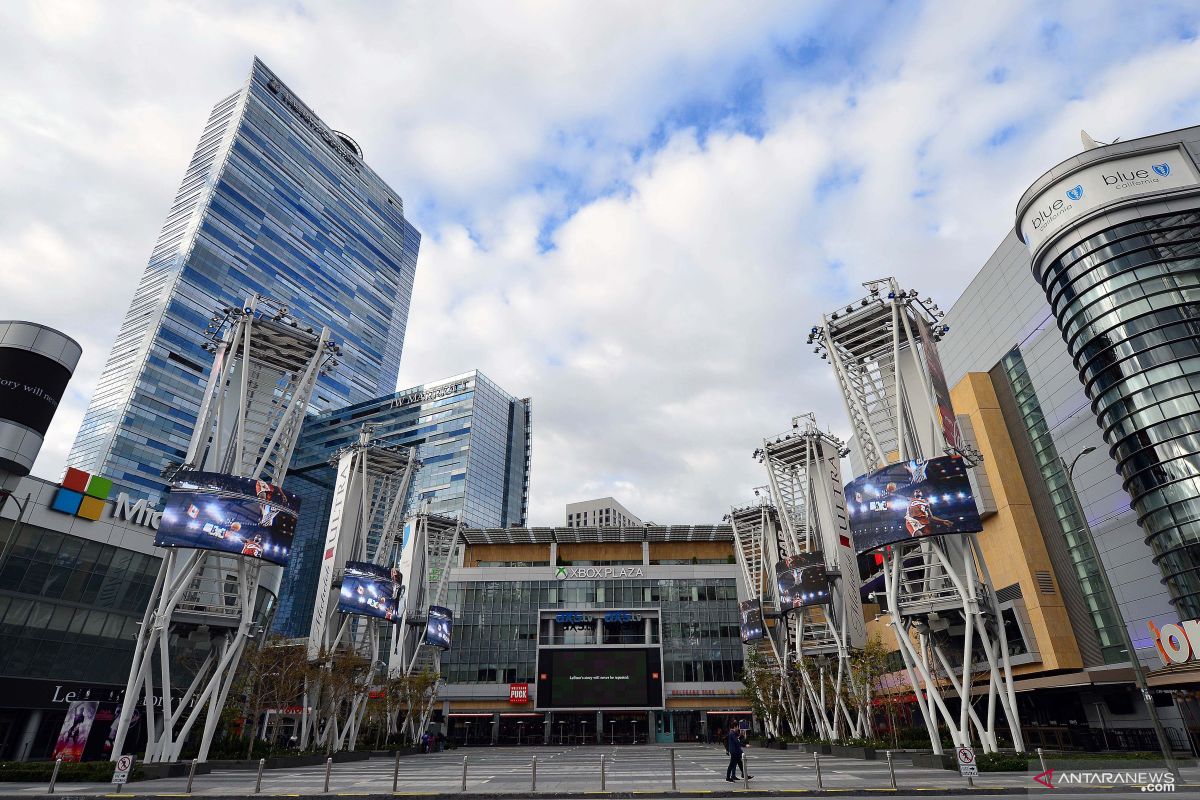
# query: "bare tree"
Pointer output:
{"type": "Point", "coordinates": [271, 675]}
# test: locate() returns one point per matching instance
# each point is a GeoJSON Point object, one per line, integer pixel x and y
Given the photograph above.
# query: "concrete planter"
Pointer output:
{"type": "Point", "coordinates": [849, 751]}
{"type": "Point", "coordinates": [934, 761]}
{"type": "Point", "coordinates": [823, 749]}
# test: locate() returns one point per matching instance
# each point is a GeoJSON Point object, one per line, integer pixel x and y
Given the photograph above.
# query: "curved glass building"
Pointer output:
{"type": "Point", "coordinates": [1114, 235]}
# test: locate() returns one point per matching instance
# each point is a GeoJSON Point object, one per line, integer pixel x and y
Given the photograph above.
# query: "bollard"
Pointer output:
{"type": "Point", "coordinates": [817, 762]}
{"type": "Point", "coordinates": [328, 769]}
{"type": "Point", "coordinates": [673, 787]}
{"type": "Point", "coordinates": [54, 774]}
{"type": "Point", "coordinates": [745, 771]}
{"type": "Point", "coordinates": [464, 780]}
{"type": "Point", "coordinates": [191, 775]}
{"type": "Point", "coordinates": [262, 763]}
{"type": "Point", "coordinates": [533, 775]}
{"type": "Point", "coordinates": [891, 768]}
{"type": "Point", "coordinates": [396, 773]}
{"type": "Point", "coordinates": [602, 772]}
{"type": "Point", "coordinates": [1041, 759]}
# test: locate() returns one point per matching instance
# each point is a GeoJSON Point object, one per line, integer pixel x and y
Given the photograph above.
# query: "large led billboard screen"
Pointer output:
{"type": "Point", "coordinates": [910, 500]}
{"type": "Point", "coordinates": [801, 581]}
{"type": "Point", "coordinates": [212, 511]}
{"type": "Point", "coordinates": [370, 590]}
{"type": "Point", "coordinates": [751, 620]}
{"type": "Point", "coordinates": [439, 627]}
{"type": "Point", "coordinates": [597, 677]}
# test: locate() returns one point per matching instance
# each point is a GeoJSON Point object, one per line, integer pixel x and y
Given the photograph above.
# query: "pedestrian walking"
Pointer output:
{"type": "Point", "coordinates": [733, 745]}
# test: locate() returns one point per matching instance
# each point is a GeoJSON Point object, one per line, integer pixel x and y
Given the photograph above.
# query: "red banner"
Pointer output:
{"type": "Point", "coordinates": [518, 693]}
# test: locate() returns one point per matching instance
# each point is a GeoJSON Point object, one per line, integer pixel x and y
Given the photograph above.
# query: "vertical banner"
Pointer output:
{"type": "Point", "coordinates": [73, 736]}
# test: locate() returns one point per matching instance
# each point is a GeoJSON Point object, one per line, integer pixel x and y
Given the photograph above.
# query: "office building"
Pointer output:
{"type": "Point", "coordinates": [648, 614]}
{"type": "Point", "coordinates": [603, 513]}
{"type": "Point", "coordinates": [75, 574]}
{"type": "Point", "coordinates": [473, 440]}
{"type": "Point", "coordinates": [276, 203]}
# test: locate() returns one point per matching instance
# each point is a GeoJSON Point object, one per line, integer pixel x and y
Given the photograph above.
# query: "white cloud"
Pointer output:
{"type": "Point", "coordinates": [662, 333]}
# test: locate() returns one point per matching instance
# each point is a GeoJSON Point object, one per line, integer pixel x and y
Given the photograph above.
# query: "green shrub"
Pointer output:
{"type": "Point", "coordinates": [1002, 762]}
{"type": "Point", "coordinates": [86, 772]}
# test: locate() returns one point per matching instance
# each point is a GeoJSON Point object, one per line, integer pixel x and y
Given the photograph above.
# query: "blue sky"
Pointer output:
{"type": "Point", "coordinates": [632, 211]}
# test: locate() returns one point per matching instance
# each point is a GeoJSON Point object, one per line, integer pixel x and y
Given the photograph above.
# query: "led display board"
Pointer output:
{"type": "Point", "coordinates": [439, 626]}
{"type": "Point", "coordinates": [598, 677]}
{"type": "Point", "coordinates": [213, 511]}
{"type": "Point", "coordinates": [751, 620]}
{"type": "Point", "coordinates": [370, 590]}
{"type": "Point", "coordinates": [801, 581]}
{"type": "Point", "coordinates": [910, 500]}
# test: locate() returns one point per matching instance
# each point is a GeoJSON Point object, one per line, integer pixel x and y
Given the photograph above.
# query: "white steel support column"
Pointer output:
{"type": "Point", "coordinates": [265, 367]}
{"type": "Point", "coordinates": [883, 352]}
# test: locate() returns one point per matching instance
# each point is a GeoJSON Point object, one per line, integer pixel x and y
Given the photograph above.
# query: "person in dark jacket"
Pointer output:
{"type": "Point", "coordinates": [733, 744]}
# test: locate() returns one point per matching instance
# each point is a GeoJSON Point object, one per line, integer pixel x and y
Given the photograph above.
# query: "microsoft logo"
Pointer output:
{"type": "Point", "coordinates": [82, 494]}
{"type": "Point", "coordinates": [561, 574]}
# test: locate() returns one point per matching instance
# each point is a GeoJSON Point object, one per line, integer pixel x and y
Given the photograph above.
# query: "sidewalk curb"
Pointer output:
{"type": "Point", "coordinates": [912, 791]}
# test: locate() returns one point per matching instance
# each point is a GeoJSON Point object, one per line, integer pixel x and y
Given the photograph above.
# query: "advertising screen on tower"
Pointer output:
{"type": "Point", "coordinates": [801, 581]}
{"type": "Point", "coordinates": [243, 516]}
{"type": "Point", "coordinates": [594, 677]}
{"type": "Point", "coordinates": [30, 387]}
{"type": "Point", "coordinates": [371, 590]}
{"type": "Point", "coordinates": [909, 500]}
{"type": "Point", "coordinates": [751, 620]}
{"type": "Point", "coordinates": [439, 626]}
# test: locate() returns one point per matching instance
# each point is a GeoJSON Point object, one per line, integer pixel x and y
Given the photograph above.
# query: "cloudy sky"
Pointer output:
{"type": "Point", "coordinates": [633, 211]}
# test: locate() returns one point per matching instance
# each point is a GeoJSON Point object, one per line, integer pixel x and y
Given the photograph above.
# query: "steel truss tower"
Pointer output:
{"type": "Point", "coordinates": [882, 349]}
{"type": "Point", "coordinates": [206, 603]}
{"type": "Point", "coordinates": [431, 550]}
{"type": "Point", "coordinates": [804, 471]}
{"type": "Point", "coordinates": [757, 542]}
{"type": "Point", "coordinates": [366, 519]}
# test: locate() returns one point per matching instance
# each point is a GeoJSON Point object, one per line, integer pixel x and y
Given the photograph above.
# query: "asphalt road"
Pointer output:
{"type": "Point", "coordinates": [565, 771]}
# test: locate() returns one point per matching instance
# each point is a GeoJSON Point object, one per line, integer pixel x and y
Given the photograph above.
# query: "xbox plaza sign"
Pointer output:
{"type": "Point", "coordinates": [596, 573]}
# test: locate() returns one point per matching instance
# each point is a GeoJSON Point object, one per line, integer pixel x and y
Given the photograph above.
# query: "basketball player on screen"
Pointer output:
{"type": "Point", "coordinates": [919, 518]}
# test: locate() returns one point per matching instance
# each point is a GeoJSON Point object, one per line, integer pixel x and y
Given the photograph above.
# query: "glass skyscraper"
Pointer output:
{"type": "Point", "coordinates": [276, 203]}
{"type": "Point", "coordinates": [473, 442]}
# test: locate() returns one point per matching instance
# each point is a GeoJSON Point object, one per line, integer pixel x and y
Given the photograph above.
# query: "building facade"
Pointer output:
{"type": "Point", "coordinates": [1071, 350]}
{"type": "Point", "coordinates": [472, 438]}
{"type": "Point", "coordinates": [274, 202]}
{"type": "Point", "coordinates": [651, 612]}
{"type": "Point", "coordinates": [1113, 236]}
{"type": "Point", "coordinates": [603, 513]}
{"type": "Point", "coordinates": [73, 588]}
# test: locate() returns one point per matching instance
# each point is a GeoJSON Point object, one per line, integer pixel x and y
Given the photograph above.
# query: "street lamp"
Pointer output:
{"type": "Point", "coordinates": [582, 740]}
{"type": "Point", "coordinates": [1139, 676]}
{"type": "Point", "coordinates": [560, 731]}
{"type": "Point", "coordinates": [612, 731]}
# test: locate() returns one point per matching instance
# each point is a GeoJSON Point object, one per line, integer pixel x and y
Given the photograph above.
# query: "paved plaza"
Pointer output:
{"type": "Point", "coordinates": [575, 771]}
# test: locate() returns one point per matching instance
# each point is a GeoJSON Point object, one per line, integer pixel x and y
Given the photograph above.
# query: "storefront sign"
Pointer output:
{"type": "Point", "coordinates": [518, 693]}
{"type": "Point", "coordinates": [595, 573]}
{"type": "Point", "coordinates": [1177, 643]}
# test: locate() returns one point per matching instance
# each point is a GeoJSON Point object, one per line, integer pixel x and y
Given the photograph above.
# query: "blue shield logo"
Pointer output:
{"type": "Point", "coordinates": [1162, 169]}
{"type": "Point", "coordinates": [1075, 193]}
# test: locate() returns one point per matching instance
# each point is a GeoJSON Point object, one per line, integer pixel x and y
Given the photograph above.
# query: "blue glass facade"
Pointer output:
{"type": "Point", "coordinates": [472, 438]}
{"type": "Point", "coordinates": [273, 202]}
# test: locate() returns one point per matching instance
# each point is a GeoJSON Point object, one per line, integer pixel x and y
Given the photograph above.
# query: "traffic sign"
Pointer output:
{"type": "Point", "coordinates": [124, 767]}
{"type": "Point", "coordinates": [966, 762]}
